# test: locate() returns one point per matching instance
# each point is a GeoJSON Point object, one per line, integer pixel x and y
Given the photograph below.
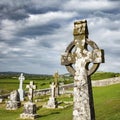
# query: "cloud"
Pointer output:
{"type": "Point", "coordinates": [34, 34]}
{"type": "Point", "coordinates": [90, 5]}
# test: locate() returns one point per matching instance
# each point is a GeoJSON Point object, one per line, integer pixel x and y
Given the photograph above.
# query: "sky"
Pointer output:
{"type": "Point", "coordinates": [34, 33]}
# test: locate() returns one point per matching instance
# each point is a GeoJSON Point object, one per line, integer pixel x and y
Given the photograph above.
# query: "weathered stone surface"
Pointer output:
{"type": "Point", "coordinates": [14, 101]}
{"type": "Point", "coordinates": [52, 103]}
{"type": "Point", "coordinates": [81, 57]}
{"type": "Point", "coordinates": [29, 111]}
{"type": "Point", "coordinates": [31, 88]}
{"type": "Point", "coordinates": [105, 82]}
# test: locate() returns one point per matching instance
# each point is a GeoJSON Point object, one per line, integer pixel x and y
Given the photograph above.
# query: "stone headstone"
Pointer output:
{"type": "Point", "coordinates": [52, 103]}
{"type": "Point", "coordinates": [81, 57]}
{"type": "Point", "coordinates": [14, 101]}
{"type": "Point", "coordinates": [20, 90]}
{"type": "Point", "coordinates": [30, 107]}
{"type": "Point", "coordinates": [29, 111]}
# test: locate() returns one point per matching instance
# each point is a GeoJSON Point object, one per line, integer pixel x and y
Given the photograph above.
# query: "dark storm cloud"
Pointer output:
{"type": "Point", "coordinates": [13, 9]}
{"type": "Point", "coordinates": [20, 9]}
{"type": "Point", "coordinates": [34, 33]}
{"type": "Point", "coordinates": [39, 30]}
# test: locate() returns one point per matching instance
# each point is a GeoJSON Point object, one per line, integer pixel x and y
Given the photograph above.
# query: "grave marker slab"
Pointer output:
{"type": "Point", "coordinates": [30, 107]}
{"type": "Point", "coordinates": [14, 101]}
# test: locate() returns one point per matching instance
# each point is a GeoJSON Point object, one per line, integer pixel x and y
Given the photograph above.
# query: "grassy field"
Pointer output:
{"type": "Point", "coordinates": [11, 82]}
{"type": "Point", "coordinates": [106, 100]}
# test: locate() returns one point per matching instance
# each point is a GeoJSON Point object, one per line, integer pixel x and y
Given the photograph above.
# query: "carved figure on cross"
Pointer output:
{"type": "Point", "coordinates": [31, 88]}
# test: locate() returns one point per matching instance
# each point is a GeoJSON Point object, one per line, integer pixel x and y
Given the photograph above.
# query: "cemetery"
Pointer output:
{"type": "Point", "coordinates": [104, 97]}
{"type": "Point", "coordinates": [75, 97]}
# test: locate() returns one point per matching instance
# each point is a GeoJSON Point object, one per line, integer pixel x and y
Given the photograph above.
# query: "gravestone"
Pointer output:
{"type": "Point", "coordinates": [14, 101]}
{"type": "Point", "coordinates": [20, 90]}
{"type": "Point", "coordinates": [30, 107]}
{"type": "Point", "coordinates": [52, 103]}
{"type": "Point", "coordinates": [31, 88]}
{"type": "Point", "coordinates": [56, 77]}
{"type": "Point", "coordinates": [77, 53]}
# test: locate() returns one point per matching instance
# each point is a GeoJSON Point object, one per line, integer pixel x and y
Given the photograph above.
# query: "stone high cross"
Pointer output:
{"type": "Point", "coordinates": [20, 90]}
{"type": "Point", "coordinates": [77, 53]}
{"type": "Point", "coordinates": [31, 88]}
{"type": "Point", "coordinates": [56, 76]}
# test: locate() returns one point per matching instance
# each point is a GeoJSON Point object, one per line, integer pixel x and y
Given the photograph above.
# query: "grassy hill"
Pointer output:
{"type": "Point", "coordinates": [9, 80]}
{"type": "Point", "coordinates": [106, 100]}
{"type": "Point", "coordinates": [104, 75]}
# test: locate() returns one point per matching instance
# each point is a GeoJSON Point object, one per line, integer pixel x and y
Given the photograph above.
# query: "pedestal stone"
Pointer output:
{"type": "Point", "coordinates": [29, 111]}
{"type": "Point", "coordinates": [56, 76]}
{"type": "Point", "coordinates": [52, 103]}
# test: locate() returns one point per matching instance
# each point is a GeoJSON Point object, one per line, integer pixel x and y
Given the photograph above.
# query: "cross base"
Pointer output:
{"type": "Point", "coordinates": [28, 116]}
{"type": "Point", "coordinates": [29, 111]}
{"type": "Point", "coordinates": [52, 103]}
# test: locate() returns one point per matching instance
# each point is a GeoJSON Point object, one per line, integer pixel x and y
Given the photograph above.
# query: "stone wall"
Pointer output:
{"type": "Point", "coordinates": [106, 82]}
{"type": "Point", "coordinates": [96, 83]}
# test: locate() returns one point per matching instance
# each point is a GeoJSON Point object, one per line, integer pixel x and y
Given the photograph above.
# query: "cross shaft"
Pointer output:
{"type": "Point", "coordinates": [81, 57]}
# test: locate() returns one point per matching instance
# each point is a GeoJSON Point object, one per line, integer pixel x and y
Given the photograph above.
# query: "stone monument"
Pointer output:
{"type": "Point", "coordinates": [14, 101]}
{"type": "Point", "coordinates": [56, 76]}
{"type": "Point", "coordinates": [77, 53]}
{"type": "Point", "coordinates": [20, 90]}
{"type": "Point", "coordinates": [30, 107]}
{"type": "Point", "coordinates": [52, 103]}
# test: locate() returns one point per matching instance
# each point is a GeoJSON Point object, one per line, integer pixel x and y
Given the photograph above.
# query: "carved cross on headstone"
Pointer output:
{"type": "Point", "coordinates": [20, 90]}
{"type": "Point", "coordinates": [81, 57]}
{"type": "Point", "coordinates": [31, 88]}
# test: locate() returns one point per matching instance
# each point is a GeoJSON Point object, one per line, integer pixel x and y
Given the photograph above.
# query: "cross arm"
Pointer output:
{"type": "Point", "coordinates": [98, 56]}
{"type": "Point", "coordinates": [67, 58]}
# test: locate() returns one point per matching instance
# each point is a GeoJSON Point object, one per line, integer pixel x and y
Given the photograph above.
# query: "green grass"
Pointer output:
{"type": "Point", "coordinates": [106, 100]}
{"type": "Point", "coordinates": [11, 82]}
{"type": "Point", "coordinates": [104, 75]}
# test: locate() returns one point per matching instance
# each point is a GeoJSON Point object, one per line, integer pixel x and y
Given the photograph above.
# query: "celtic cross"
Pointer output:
{"type": "Point", "coordinates": [77, 58]}
{"type": "Point", "coordinates": [31, 88]}
{"type": "Point", "coordinates": [20, 90]}
{"type": "Point", "coordinates": [56, 82]}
